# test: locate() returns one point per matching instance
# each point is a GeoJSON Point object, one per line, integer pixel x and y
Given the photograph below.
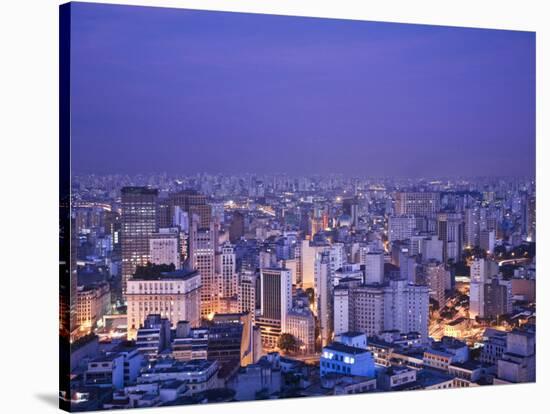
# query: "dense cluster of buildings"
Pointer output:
{"type": "Point", "coordinates": [222, 288]}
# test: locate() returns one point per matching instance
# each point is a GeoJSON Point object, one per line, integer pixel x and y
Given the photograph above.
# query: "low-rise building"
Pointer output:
{"type": "Point", "coordinates": [346, 360]}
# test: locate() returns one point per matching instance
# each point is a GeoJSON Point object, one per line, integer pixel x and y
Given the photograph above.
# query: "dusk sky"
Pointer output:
{"type": "Point", "coordinates": [180, 91]}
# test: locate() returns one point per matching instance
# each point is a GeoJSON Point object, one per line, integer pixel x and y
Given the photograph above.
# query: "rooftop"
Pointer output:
{"type": "Point", "coordinates": [340, 347]}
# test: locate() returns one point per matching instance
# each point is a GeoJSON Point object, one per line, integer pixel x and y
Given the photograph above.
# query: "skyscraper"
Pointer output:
{"type": "Point", "coordinates": [203, 245]}
{"type": "Point", "coordinates": [323, 296]}
{"type": "Point", "coordinates": [138, 222]}
{"type": "Point", "coordinates": [228, 271]}
{"type": "Point", "coordinates": [275, 302]}
{"type": "Point", "coordinates": [192, 202]}
{"type": "Point", "coordinates": [236, 230]}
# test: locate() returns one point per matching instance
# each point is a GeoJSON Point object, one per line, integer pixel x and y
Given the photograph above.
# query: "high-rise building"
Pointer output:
{"type": "Point", "coordinates": [236, 229]}
{"type": "Point", "coordinates": [308, 254]}
{"type": "Point", "coordinates": [472, 220]}
{"type": "Point", "coordinates": [164, 247]}
{"type": "Point", "coordinates": [275, 302]}
{"type": "Point", "coordinates": [436, 278]}
{"type": "Point", "coordinates": [401, 227]}
{"type": "Point", "coordinates": [450, 231]}
{"type": "Point", "coordinates": [249, 293]}
{"type": "Point", "coordinates": [192, 203]}
{"type": "Point", "coordinates": [203, 245]}
{"type": "Point", "coordinates": [323, 296]}
{"type": "Point", "coordinates": [432, 249]}
{"type": "Point", "coordinates": [374, 268]}
{"type": "Point", "coordinates": [487, 240]}
{"type": "Point", "coordinates": [138, 223]}
{"type": "Point", "coordinates": [350, 207]}
{"type": "Point", "coordinates": [172, 295]}
{"type": "Point", "coordinates": [497, 297]}
{"type": "Point", "coordinates": [481, 272]}
{"type": "Point", "coordinates": [417, 203]}
{"type": "Point", "coordinates": [228, 271]}
{"type": "Point", "coordinates": [396, 305]}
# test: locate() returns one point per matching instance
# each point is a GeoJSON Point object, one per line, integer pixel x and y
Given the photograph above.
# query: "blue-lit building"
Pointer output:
{"type": "Point", "coordinates": [343, 359]}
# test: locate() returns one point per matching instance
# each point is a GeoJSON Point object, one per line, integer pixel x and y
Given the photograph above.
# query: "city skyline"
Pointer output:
{"type": "Point", "coordinates": [302, 95]}
{"type": "Point", "coordinates": [266, 207]}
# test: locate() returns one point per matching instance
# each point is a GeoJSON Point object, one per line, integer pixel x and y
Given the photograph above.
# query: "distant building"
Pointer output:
{"type": "Point", "coordinates": [417, 203]}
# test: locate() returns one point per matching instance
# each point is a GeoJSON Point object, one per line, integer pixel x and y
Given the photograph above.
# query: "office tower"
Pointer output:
{"type": "Point", "coordinates": [417, 204]}
{"type": "Point", "coordinates": [450, 231]}
{"type": "Point", "coordinates": [401, 227]}
{"type": "Point", "coordinates": [481, 272]}
{"type": "Point", "coordinates": [323, 296]}
{"type": "Point", "coordinates": [374, 268]}
{"type": "Point", "coordinates": [236, 229]}
{"type": "Point", "coordinates": [172, 295]}
{"type": "Point", "coordinates": [487, 240]}
{"type": "Point", "coordinates": [300, 324]}
{"type": "Point", "coordinates": [350, 207]}
{"type": "Point", "coordinates": [497, 297]}
{"type": "Point", "coordinates": [275, 302]}
{"type": "Point", "coordinates": [192, 203]}
{"type": "Point", "coordinates": [203, 245]}
{"type": "Point", "coordinates": [249, 292]}
{"type": "Point", "coordinates": [164, 247]}
{"type": "Point", "coordinates": [165, 216]}
{"type": "Point", "coordinates": [139, 222]}
{"type": "Point", "coordinates": [276, 294]}
{"type": "Point", "coordinates": [228, 271]}
{"type": "Point", "coordinates": [436, 278]}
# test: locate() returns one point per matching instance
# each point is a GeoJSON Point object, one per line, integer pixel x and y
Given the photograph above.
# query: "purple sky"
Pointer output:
{"type": "Point", "coordinates": [186, 91]}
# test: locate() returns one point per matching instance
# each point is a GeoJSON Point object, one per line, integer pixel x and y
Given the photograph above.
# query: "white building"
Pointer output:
{"type": "Point", "coordinates": [373, 309]}
{"type": "Point", "coordinates": [174, 296]}
{"type": "Point", "coordinates": [164, 247]}
{"type": "Point", "coordinates": [374, 268]}
{"type": "Point", "coordinates": [228, 272]}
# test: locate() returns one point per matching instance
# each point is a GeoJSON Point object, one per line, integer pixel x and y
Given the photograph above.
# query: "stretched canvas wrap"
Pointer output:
{"type": "Point", "coordinates": [260, 207]}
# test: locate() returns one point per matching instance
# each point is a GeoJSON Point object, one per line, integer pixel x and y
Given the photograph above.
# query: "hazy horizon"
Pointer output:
{"type": "Point", "coordinates": [181, 91]}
